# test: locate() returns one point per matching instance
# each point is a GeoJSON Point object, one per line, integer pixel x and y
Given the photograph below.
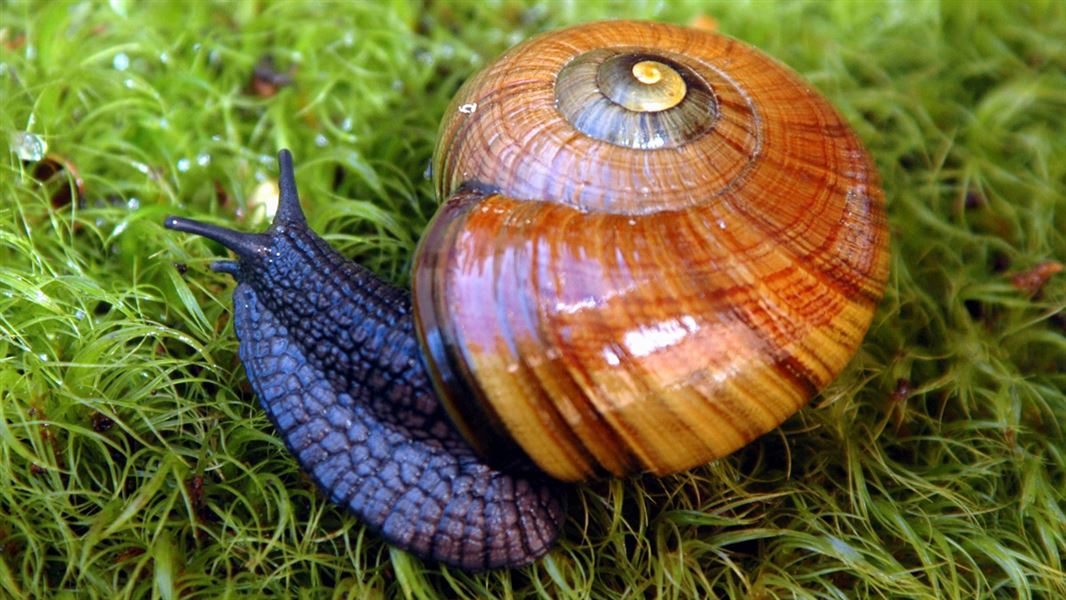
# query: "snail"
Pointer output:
{"type": "Point", "coordinates": [655, 245]}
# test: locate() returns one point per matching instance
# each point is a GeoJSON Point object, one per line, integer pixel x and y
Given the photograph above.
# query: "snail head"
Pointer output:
{"type": "Point", "coordinates": [253, 249]}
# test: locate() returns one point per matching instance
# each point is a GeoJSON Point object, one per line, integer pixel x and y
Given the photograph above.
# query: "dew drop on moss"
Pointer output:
{"type": "Point", "coordinates": [28, 146]}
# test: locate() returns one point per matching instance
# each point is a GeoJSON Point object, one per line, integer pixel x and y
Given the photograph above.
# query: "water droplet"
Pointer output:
{"type": "Point", "coordinates": [140, 166]}
{"type": "Point", "coordinates": [632, 221]}
{"type": "Point", "coordinates": [203, 159]}
{"type": "Point", "coordinates": [120, 228]}
{"type": "Point", "coordinates": [43, 357]}
{"type": "Point", "coordinates": [184, 165]}
{"type": "Point", "coordinates": [216, 138]}
{"type": "Point", "coordinates": [468, 108]}
{"type": "Point", "coordinates": [447, 51]}
{"type": "Point", "coordinates": [28, 146]}
{"type": "Point", "coordinates": [79, 314]}
{"type": "Point", "coordinates": [428, 173]}
{"type": "Point", "coordinates": [164, 57]}
{"type": "Point", "coordinates": [346, 124]}
{"type": "Point", "coordinates": [121, 62]}
{"type": "Point", "coordinates": [128, 82]}
{"type": "Point", "coordinates": [321, 141]}
{"type": "Point", "coordinates": [397, 85]}
{"type": "Point", "coordinates": [119, 6]}
{"type": "Point", "coordinates": [133, 203]}
{"type": "Point", "coordinates": [163, 122]}
{"type": "Point", "coordinates": [424, 57]}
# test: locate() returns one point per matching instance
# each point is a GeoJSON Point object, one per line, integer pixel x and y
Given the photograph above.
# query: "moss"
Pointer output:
{"type": "Point", "coordinates": [133, 459]}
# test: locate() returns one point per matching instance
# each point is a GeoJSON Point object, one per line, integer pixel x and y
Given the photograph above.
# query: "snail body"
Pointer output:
{"type": "Point", "coordinates": [657, 244]}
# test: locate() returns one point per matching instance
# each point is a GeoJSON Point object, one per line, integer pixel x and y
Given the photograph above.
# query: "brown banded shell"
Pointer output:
{"type": "Point", "coordinates": [649, 282]}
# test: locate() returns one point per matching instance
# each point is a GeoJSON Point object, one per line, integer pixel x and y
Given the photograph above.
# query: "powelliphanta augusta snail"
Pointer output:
{"type": "Point", "coordinates": [655, 244]}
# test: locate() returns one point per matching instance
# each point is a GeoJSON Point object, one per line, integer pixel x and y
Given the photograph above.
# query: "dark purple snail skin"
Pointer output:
{"type": "Point", "coordinates": [330, 351]}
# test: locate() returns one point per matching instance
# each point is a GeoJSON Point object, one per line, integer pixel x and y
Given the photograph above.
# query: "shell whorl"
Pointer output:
{"type": "Point", "coordinates": [658, 291]}
{"type": "Point", "coordinates": [635, 98]}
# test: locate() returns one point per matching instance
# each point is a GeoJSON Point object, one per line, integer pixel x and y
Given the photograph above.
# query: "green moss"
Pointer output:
{"type": "Point", "coordinates": [133, 458]}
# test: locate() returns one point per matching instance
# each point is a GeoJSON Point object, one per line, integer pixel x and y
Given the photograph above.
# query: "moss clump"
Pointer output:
{"type": "Point", "coordinates": [133, 458]}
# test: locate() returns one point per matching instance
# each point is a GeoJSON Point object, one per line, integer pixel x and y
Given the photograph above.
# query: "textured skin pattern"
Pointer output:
{"type": "Point", "coordinates": [342, 381]}
{"type": "Point", "coordinates": [330, 352]}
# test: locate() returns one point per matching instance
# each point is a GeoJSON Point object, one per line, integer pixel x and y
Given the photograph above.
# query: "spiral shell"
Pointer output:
{"type": "Point", "coordinates": [630, 279]}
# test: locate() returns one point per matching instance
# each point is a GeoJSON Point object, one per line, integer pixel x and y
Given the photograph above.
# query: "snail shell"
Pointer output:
{"type": "Point", "coordinates": [677, 243]}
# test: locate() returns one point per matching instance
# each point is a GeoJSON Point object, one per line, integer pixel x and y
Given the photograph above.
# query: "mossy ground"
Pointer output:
{"type": "Point", "coordinates": [135, 461]}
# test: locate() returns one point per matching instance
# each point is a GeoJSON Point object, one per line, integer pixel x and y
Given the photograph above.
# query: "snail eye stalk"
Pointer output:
{"type": "Point", "coordinates": [289, 211]}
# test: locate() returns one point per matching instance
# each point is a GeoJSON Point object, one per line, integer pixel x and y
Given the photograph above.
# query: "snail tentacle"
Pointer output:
{"type": "Point", "coordinates": [331, 354]}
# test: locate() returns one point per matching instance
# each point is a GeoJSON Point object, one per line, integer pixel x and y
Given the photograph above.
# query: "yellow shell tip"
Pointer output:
{"type": "Point", "coordinates": [648, 72]}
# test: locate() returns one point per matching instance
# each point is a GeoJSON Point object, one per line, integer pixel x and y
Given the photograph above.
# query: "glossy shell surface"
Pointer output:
{"type": "Point", "coordinates": [652, 301]}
